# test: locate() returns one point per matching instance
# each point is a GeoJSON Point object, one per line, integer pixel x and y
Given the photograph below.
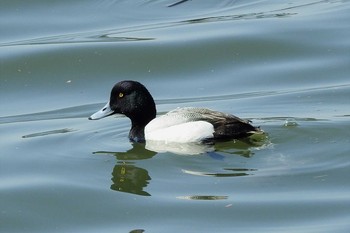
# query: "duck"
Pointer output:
{"type": "Point", "coordinates": [181, 125]}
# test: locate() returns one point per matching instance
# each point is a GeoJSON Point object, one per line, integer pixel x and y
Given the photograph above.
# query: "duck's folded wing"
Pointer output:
{"type": "Point", "coordinates": [233, 128]}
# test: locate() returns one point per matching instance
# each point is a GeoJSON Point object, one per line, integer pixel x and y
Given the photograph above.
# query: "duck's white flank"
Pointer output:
{"type": "Point", "coordinates": [180, 125]}
{"type": "Point", "coordinates": [194, 131]}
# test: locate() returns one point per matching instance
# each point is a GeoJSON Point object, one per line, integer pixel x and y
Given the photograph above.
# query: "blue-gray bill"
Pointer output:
{"type": "Point", "coordinates": [104, 112]}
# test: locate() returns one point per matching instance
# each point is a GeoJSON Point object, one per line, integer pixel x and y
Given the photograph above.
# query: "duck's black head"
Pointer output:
{"type": "Point", "coordinates": [133, 100]}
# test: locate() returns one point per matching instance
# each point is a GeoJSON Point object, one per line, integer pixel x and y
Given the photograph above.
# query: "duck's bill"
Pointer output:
{"type": "Point", "coordinates": [104, 112]}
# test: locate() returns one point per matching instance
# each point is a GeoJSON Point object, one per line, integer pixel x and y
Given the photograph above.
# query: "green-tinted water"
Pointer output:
{"type": "Point", "coordinates": [284, 65]}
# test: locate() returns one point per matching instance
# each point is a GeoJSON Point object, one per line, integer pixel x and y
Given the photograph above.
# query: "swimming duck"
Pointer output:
{"type": "Point", "coordinates": [182, 125]}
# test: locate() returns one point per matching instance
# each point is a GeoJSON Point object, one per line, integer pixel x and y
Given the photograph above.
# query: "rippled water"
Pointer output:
{"type": "Point", "coordinates": [284, 65]}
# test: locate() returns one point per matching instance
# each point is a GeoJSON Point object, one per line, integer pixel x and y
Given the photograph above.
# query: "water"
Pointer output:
{"type": "Point", "coordinates": [284, 65]}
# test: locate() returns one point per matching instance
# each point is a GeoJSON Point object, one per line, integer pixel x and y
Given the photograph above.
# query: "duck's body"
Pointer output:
{"type": "Point", "coordinates": [197, 124]}
{"type": "Point", "coordinates": [181, 125]}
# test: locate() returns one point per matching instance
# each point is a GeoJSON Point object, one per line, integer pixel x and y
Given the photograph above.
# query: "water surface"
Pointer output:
{"type": "Point", "coordinates": [284, 65]}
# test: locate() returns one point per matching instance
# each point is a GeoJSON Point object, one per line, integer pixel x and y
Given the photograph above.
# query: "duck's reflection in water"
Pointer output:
{"type": "Point", "coordinates": [241, 147]}
{"type": "Point", "coordinates": [179, 148]}
{"type": "Point", "coordinates": [128, 178]}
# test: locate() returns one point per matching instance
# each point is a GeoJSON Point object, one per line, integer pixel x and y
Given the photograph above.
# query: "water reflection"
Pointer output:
{"type": "Point", "coordinates": [239, 147]}
{"type": "Point", "coordinates": [137, 152]}
{"type": "Point", "coordinates": [129, 178]}
{"type": "Point", "coordinates": [137, 231]}
{"type": "Point", "coordinates": [46, 133]}
{"type": "Point", "coordinates": [203, 198]}
{"type": "Point", "coordinates": [260, 15]}
{"type": "Point", "coordinates": [179, 148]}
{"type": "Point", "coordinates": [126, 177]}
{"type": "Point", "coordinates": [234, 172]}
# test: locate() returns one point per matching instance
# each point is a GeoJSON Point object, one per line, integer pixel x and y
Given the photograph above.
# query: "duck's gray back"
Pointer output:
{"type": "Point", "coordinates": [189, 114]}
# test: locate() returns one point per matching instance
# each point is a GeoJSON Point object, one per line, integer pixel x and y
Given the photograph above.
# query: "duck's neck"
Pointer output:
{"type": "Point", "coordinates": [138, 124]}
{"type": "Point", "coordinates": [137, 133]}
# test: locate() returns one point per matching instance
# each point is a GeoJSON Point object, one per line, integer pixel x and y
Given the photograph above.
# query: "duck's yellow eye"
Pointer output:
{"type": "Point", "coordinates": [121, 95]}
